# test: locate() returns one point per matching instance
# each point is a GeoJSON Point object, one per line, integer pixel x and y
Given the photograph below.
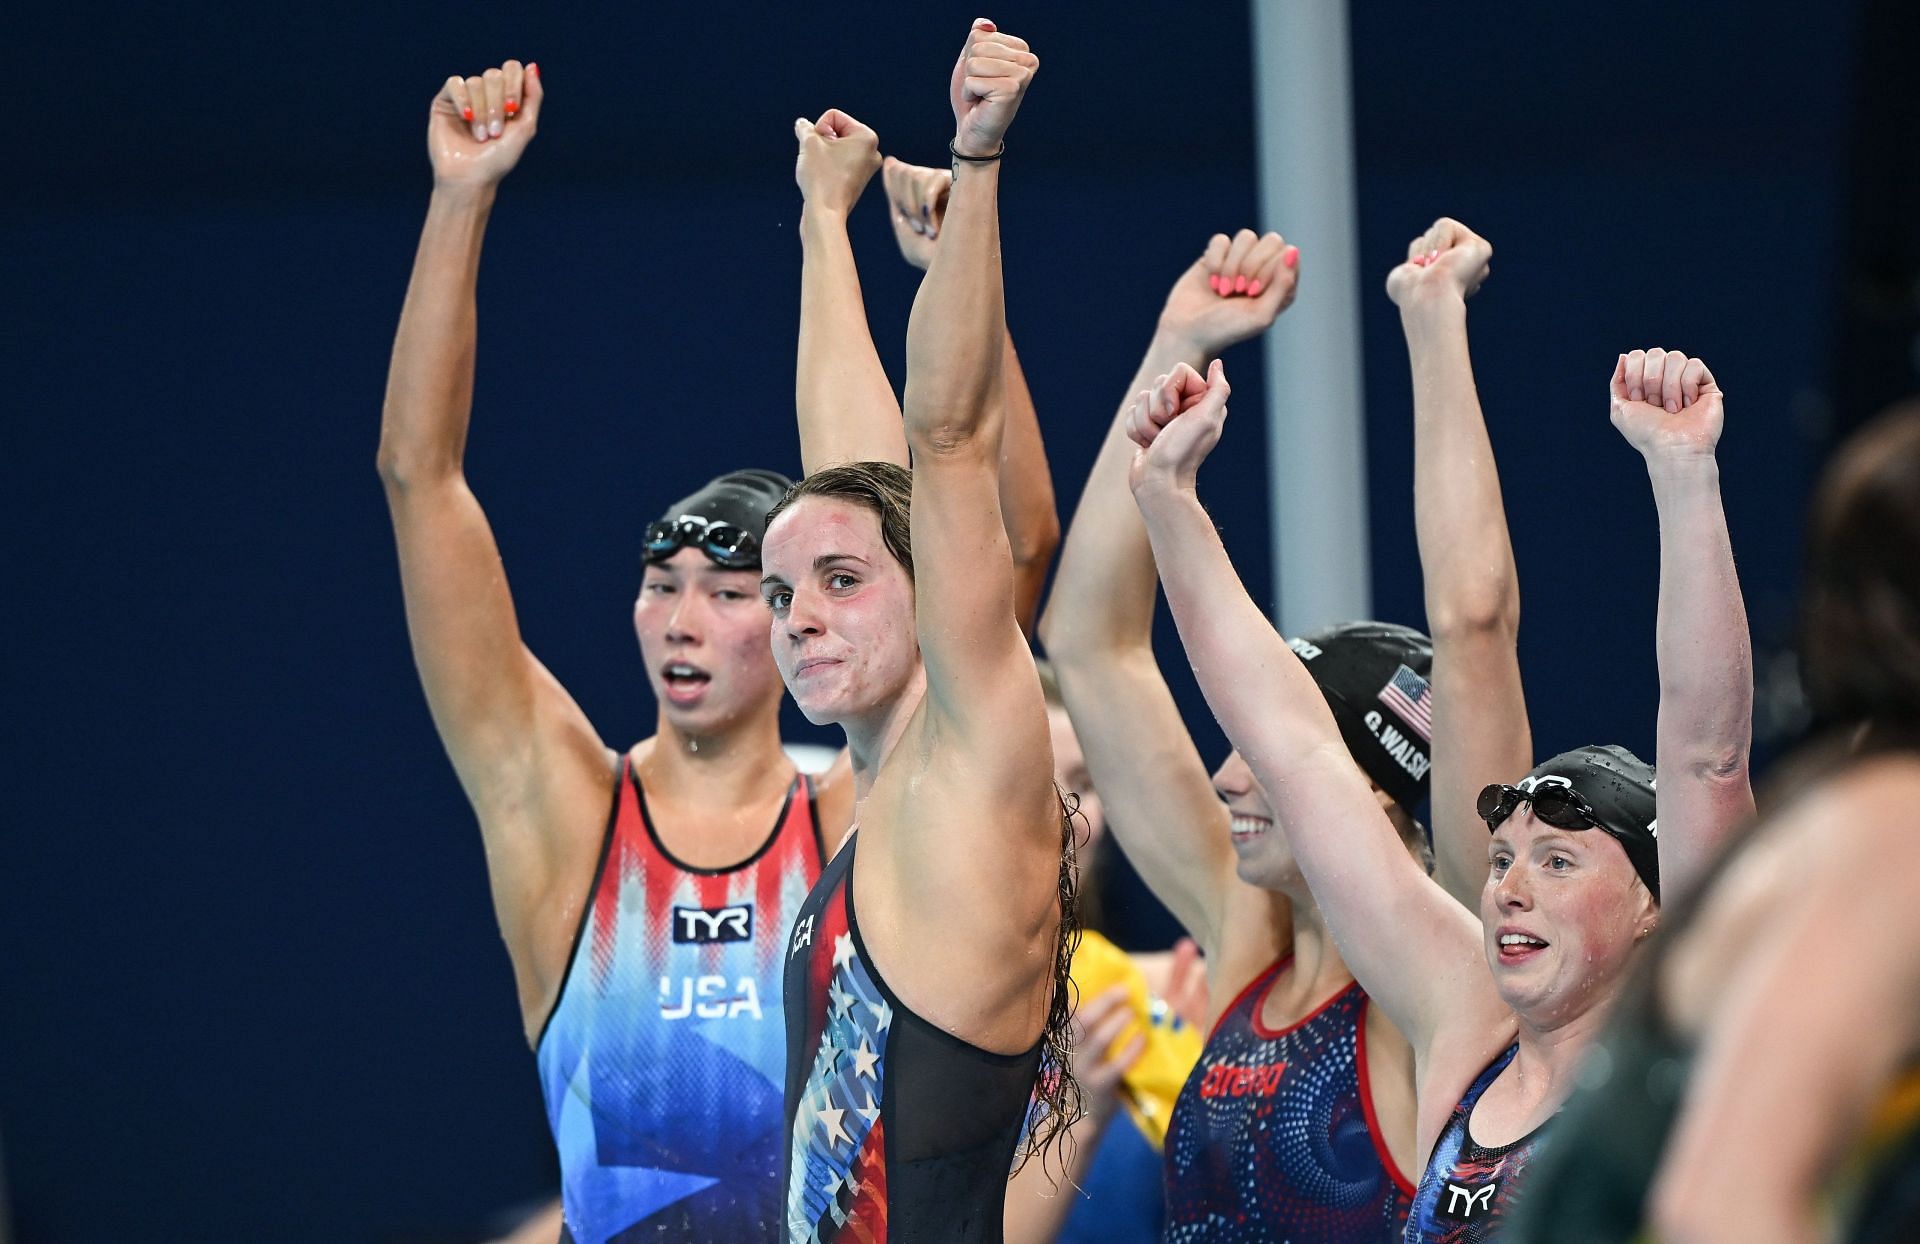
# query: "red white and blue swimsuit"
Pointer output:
{"type": "Point", "coordinates": [1274, 1138]}
{"type": "Point", "coordinates": [897, 1129]}
{"type": "Point", "coordinates": [663, 1058]}
{"type": "Point", "coordinates": [1470, 1189]}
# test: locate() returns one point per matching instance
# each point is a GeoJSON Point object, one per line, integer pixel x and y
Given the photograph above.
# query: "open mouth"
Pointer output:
{"type": "Point", "coordinates": [1516, 947]}
{"type": "Point", "coordinates": [1248, 828]}
{"type": "Point", "coordinates": [685, 682]}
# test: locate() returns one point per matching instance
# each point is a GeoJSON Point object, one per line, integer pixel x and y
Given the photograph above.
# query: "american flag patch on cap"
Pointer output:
{"type": "Point", "coordinates": [1408, 694]}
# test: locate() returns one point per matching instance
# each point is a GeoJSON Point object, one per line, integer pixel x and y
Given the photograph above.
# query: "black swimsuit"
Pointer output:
{"type": "Point", "coordinates": [896, 1129]}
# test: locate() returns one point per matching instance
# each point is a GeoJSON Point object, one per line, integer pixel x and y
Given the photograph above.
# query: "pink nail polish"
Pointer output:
{"type": "Point", "coordinates": [1213, 283]}
{"type": "Point", "coordinates": [1254, 287]}
{"type": "Point", "coordinates": [1239, 284]}
{"type": "Point", "coordinates": [1290, 256]}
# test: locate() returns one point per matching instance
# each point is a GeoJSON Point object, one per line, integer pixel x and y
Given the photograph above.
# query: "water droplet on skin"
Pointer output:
{"type": "Point", "coordinates": [693, 745]}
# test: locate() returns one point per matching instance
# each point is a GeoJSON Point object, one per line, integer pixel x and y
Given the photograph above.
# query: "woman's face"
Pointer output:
{"type": "Point", "coordinates": [1264, 855]}
{"type": "Point", "coordinates": [702, 633]}
{"type": "Point", "coordinates": [843, 616]}
{"type": "Point", "coordinates": [1562, 912]}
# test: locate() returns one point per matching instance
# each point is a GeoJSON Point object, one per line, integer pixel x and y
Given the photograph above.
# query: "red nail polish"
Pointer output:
{"type": "Point", "coordinates": [1253, 288]}
{"type": "Point", "coordinates": [1290, 256]}
{"type": "Point", "coordinates": [534, 69]}
{"type": "Point", "coordinates": [1239, 284]}
{"type": "Point", "coordinates": [466, 114]}
{"type": "Point", "coordinates": [513, 106]}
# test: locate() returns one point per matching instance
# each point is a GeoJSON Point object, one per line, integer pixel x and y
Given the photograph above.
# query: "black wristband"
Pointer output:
{"type": "Point", "coordinates": [987, 159]}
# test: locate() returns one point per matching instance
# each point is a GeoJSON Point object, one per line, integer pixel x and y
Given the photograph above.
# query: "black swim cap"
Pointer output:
{"type": "Point", "coordinates": [1374, 676]}
{"type": "Point", "coordinates": [738, 498]}
{"type": "Point", "coordinates": [1619, 787]}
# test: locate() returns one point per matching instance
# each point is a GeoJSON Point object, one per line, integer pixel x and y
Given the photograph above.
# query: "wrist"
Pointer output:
{"type": "Point", "coordinates": [1175, 343]}
{"type": "Point", "coordinates": [1165, 491]}
{"type": "Point", "coordinates": [1436, 306]}
{"type": "Point", "coordinates": [1681, 464]}
{"type": "Point", "coordinates": [464, 195]}
{"type": "Point", "coordinates": [819, 218]}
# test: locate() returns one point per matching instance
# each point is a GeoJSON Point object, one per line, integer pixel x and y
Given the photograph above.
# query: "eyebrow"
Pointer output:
{"type": "Point", "coordinates": [821, 562]}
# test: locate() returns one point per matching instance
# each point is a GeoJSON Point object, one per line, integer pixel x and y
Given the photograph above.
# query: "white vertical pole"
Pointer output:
{"type": "Point", "coordinates": [1316, 437]}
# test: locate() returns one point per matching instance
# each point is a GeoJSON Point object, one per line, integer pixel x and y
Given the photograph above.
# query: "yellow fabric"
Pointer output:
{"type": "Point", "coordinates": [1173, 1047]}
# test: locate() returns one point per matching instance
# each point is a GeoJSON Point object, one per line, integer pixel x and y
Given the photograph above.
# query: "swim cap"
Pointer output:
{"type": "Point", "coordinates": [1619, 787]}
{"type": "Point", "coordinates": [1374, 676]}
{"type": "Point", "coordinates": [738, 499]}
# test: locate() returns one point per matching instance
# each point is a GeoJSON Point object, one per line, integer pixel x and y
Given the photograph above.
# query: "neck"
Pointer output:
{"type": "Point", "coordinates": [1549, 1053]}
{"type": "Point", "coordinates": [727, 762]}
{"type": "Point", "coordinates": [871, 737]}
{"type": "Point", "coordinates": [1317, 969]}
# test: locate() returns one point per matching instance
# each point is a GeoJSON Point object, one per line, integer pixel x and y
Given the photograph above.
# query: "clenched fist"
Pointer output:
{"type": "Point", "coordinates": [479, 126]}
{"type": "Point", "coordinates": [989, 80]}
{"type": "Point", "coordinates": [1176, 424]}
{"type": "Point", "coordinates": [838, 156]}
{"type": "Point", "coordinates": [1665, 403]}
{"type": "Point", "coordinates": [1234, 291]}
{"type": "Point", "coordinates": [1449, 260]}
{"type": "Point", "coordinates": [916, 204]}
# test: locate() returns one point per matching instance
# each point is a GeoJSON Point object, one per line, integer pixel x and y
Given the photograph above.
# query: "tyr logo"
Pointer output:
{"type": "Point", "coordinates": [713, 924]}
{"type": "Point", "coordinates": [1465, 1202]}
{"type": "Point", "coordinates": [1530, 784]}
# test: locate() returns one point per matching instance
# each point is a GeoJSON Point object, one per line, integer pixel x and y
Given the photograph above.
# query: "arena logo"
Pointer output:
{"type": "Point", "coordinates": [709, 997]}
{"type": "Point", "coordinates": [713, 924]}
{"type": "Point", "coordinates": [1405, 751]}
{"type": "Point", "coordinates": [1468, 1203]}
{"type": "Point", "coordinates": [1225, 1081]}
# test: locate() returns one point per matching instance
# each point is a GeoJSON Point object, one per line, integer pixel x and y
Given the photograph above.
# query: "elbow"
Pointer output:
{"type": "Point", "coordinates": [1489, 609]}
{"type": "Point", "coordinates": [401, 469]}
{"type": "Point", "coordinates": [1034, 541]}
{"type": "Point", "coordinates": [1721, 768]}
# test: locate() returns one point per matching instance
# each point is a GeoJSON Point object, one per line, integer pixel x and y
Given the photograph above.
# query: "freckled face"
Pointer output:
{"type": "Point", "coordinates": [1562, 911]}
{"type": "Point", "coordinates": [702, 632]}
{"type": "Point", "coordinates": [843, 610]}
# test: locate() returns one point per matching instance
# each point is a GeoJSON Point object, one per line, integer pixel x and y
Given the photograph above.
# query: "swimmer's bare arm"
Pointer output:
{"type": "Point", "coordinates": [1412, 947]}
{"type": "Point", "coordinates": [536, 772]}
{"type": "Point", "coordinates": [844, 400]}
{"type": "Point", "coordinates": [917, 206]}
{"type": "Point", "coordinates": [1098, 626]}
{"type": "Point", "coordinates": [1480, 729]}
{"type": "Point", "coordinates": [1813, 1031]}
{"type": "Point", "coordinates": [1669, 408]}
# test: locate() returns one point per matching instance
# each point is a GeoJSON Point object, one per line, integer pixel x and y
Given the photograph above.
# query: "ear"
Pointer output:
{"type": "Point", "coordinates": [1646, 917]}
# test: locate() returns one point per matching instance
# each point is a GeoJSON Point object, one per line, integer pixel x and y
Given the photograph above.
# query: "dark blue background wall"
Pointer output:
{"type": "Point", "coordinates": [253, 986]}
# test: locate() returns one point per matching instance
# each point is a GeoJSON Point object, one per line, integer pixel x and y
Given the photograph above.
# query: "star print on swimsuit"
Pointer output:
{"type": "Point", "coordinates": [837, 1139]}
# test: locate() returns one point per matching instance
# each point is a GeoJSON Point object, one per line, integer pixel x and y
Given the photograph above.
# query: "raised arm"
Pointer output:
{"type": "Point", "coordinates": [1412, 948]}
{"type": "Point", "coordinates": [841, 392]}
{"type": "Point", "coordinates": [1098, 627]}
{"type": "Point", "coordinates": [1480, 730]}
{"type": "Point", "coordinates": [527, 757]}
{"type": "Point", "coordinates": [980, 677]}
{"type": "Point", "coordinates": [1669, 408]}
{"type": "Point", "coordinates": [917, 203]}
